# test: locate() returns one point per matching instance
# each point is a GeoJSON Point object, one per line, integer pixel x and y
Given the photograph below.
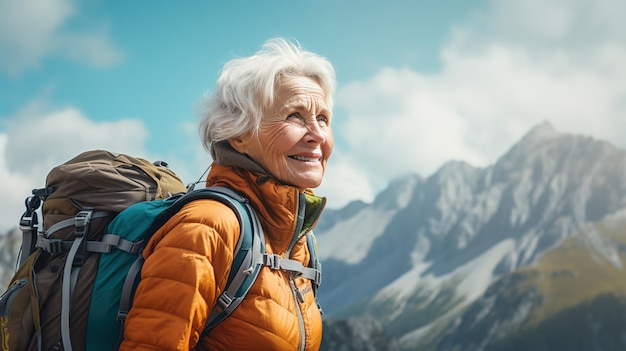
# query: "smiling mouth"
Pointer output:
{"type": "Point", "coordinates": [306, 159]}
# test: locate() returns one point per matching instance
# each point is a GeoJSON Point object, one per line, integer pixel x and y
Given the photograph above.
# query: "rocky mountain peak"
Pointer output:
{"type": "Point", "coordinates": [465, 227]}
{"type": "Point", "coordinates": [539, 133]}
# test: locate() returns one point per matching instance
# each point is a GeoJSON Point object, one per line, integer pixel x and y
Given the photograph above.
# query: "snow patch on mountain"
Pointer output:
{"type": "Point", "coordinates": [477, 274]}
{"type": "Point", "coordinates": [350, 241]}
{"type": "Point", "coordinates": [404, 189]}
{"type": "Point", "coordinates": [406, 285]}
{"type": "Point", "coordinates": [604, 248]}
{"type": "Point", "coordinates": [528, 245]}
{"type": "Point", "coordinates": [473, 278]}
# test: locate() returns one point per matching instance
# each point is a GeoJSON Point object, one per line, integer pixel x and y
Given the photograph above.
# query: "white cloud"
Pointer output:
{"type": "Point", "coordinates": [14, 187]}
{"type": "Point", "coordinates": [507, 69]}
{"type": "Point", "coordinates": [341, 184]}
{"type": "Point", "coordinates": [91, 48]}
{"type": "Point", "coordinates": [39, 138]}
{"type": "Point", "coordinates": [47, 136]}
{"type": "Point", "coordinates": [31, 30]}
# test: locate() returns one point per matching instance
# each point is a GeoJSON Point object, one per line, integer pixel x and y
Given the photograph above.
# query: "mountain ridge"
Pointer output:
{"type": "Point", "coordinates": [567, 280]}
{"type": "Point", "coordinates": [464, 227]}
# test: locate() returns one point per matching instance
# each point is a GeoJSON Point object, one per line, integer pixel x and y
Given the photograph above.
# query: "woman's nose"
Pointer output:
{"type": "Point", "coordinates": [315, 133]}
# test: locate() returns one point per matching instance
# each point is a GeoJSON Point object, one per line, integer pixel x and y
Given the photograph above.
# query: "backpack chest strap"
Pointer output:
{"type": "Point", "coordinates": [277, 262]}
{"type": "Point", "coordinates": [105, 245]}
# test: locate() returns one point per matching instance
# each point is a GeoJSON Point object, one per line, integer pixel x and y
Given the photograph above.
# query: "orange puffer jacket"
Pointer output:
{"type": "Point", "coordinates": [188, 260]}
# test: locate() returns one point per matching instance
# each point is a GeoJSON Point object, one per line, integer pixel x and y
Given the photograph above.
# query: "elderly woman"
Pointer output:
{"type": "Point", "coordinates": [268, 129]}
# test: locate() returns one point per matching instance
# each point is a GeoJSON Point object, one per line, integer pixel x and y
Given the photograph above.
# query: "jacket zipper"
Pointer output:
{"type": "Point", "coordinates": [297, 295]}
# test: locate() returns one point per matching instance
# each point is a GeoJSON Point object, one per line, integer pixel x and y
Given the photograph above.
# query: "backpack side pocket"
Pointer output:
{"type": "Point", "coordinates": [17, 325]}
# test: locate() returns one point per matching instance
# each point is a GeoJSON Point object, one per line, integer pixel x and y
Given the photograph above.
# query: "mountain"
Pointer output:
{"type": "Point", "coordinates": [525, 254]}
{"type": "Point", "coordinates": [572, 298]}
{"type": "Point", "coordinates": [425, 250]}
{"type": "Point", "coordinates": [356, 334]}
{"type": "Point", "coordinates": [9, 249]}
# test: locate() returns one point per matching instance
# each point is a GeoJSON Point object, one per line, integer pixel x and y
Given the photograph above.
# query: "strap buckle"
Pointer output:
{"type": "Point", "coordinates": [81, 229]}
{"type": "Point", "coordinates": [81, 222]}
{"type": "Point", "coordinates": [272, 261]}
{"type": "Point", "coordinates": [224, 301]}
{"type": "Point", "coordinates": [51, 246]}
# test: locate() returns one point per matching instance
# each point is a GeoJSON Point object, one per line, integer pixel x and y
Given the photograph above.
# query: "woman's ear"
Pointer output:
{"type": "Point", "coordinates": [237, 144]}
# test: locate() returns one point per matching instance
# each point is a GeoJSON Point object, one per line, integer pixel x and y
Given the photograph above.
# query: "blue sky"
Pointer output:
{"type": "Point", "coordinates": [419, 82]}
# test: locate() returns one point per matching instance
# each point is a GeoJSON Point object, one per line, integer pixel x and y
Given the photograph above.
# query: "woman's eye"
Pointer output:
{"type": "Point", "coordinates": [294, 116]}
{"type": "Point", "coordinates": [322, 120]}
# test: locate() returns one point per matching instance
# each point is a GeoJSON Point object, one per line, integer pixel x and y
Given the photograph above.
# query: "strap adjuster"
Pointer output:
{"type": "Point", "coordinates": [272, 261]}
{"type": "Point", "coordinates": [26, 222]}
{"type": "Point", "coordinates": [51, 246]}
{"type": "Point", "coordinates": [224, 301]}
{"type": "Point", "coordinates": [55, 246]}
{"type": "Point", "coordinates": [318, 277]}
{"type": "Point", "coordinates": [121, 315]}
{"type": "Point", "coordinates": [81, 229]}
{"type": "Point", "coordinates": [81, 222]}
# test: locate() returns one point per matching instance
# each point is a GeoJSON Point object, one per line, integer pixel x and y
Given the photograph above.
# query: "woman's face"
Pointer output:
{"type": "Point", "coordinates": [295, 138]}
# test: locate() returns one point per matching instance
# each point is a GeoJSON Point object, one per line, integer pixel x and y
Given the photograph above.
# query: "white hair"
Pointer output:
{"type": "Point", "coordinates": [246, 87]}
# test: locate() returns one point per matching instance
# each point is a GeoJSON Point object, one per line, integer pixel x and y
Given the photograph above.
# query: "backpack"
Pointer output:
{"type": "Point", "coordinates": [79, 268]}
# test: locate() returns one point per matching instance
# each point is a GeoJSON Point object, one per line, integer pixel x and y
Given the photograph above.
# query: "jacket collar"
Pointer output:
{"type": "Point", "coordinates": [285, 213]}
{"type": "Point", "coordinates": [224, 154]}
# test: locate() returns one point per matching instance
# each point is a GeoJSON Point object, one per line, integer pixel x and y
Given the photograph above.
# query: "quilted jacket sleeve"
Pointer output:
{"type": "Point", "coordinates": [186, 267]}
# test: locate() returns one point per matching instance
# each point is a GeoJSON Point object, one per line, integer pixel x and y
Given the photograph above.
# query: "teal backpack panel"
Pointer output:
{"type": "Point", "coordinates": [136, 224]}
{"type": "Point", "coordinates": [132, 224]}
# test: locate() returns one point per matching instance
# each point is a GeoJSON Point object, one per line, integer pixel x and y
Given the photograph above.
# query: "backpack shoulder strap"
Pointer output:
{"type": "Point", "coordinates": [247, 260]}
{"type": "Point", "coordinates": [315, 264]}
{"type": "Point", "coordinates": [250, 257]}
{"type": "Point", "coordinates": [248, 252]}
{"type": "Point", "coordinates": [31, 224]}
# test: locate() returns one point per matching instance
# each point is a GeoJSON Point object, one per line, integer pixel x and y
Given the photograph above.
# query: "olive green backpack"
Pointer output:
{"type": "Point", "coordinates": [67, 221]}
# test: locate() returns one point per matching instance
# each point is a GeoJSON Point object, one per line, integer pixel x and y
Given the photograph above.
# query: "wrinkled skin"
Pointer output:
{"type": "Point", "coordinates": [295, 139]}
